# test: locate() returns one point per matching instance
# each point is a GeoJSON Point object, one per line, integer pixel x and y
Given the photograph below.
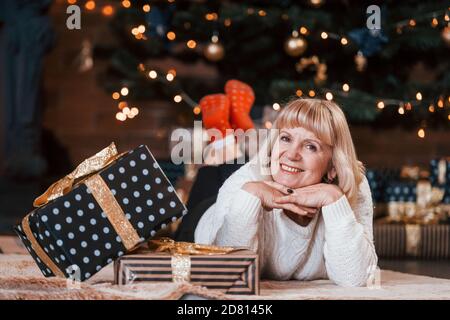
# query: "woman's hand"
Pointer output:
{"type": "Point", "coordinates": [315, 196]}
{"type": "Point", "coordinates": [268, 194]}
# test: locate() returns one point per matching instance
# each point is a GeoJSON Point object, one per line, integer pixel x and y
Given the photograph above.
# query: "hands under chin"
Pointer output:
{"type": "Point", "coordinates": [300, 205]}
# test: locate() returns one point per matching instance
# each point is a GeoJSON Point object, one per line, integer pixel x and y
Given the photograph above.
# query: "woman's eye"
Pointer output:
{"type": "Point", "coordinates": [285, 139]}
{"type": "Point", "coordinates": [311, 147]}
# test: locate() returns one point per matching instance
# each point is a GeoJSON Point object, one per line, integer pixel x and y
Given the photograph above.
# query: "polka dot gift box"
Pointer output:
{"type": "Point", "coordinates": [106, 207]}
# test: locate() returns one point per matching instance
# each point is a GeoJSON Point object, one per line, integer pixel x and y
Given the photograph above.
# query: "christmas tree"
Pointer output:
{"type": "Point", "coordinates": [315, 48]}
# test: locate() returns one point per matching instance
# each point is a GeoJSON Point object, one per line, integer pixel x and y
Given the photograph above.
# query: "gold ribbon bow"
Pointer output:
{"type": "Point", "coordinates": [180, 251]}
{"type": "Point", "coordinates": [93, 164]}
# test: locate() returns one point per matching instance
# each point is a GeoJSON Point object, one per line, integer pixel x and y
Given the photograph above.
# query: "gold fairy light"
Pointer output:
{"type": "Point", "coordinates": [71, 1]}
{"type": "Point", "coordinates": [153, 74]}
{"type": "Point", "coordinates": [412, 23]}
{"type": "Point", "coordinates": [197, 110]}
{"type": "Point", "coordinates": [311, 93]}
{"type": "Point", "coordinates": [90, 5]}
{"type": "Point", "coordinates": [126, 3]}
{"type": "Point", "coordinates": [116, 95]}
{"type": "Point", "coordinates": [345, 87]}
{"type": "Point", "coordinates": [191, 44]}
{"type": "Point", "coordinates": [141, 28]}
{"type": "Point", "coordinates": [380, 105]}
{"type": "Point", "coordinates": [262, 13]}
{"type": "Point", "coordinates": [401, 110]}
{"type": "Point", "coordinates": [324, 35]}
{"type": "Point", "coordinates": [134, 111]}
{"type": "Point", "coordinates": [227, 22]}
{"type": "Point", "coordinates": [146, 8]}
{"type": "Point", "coordinates": [177, 98]}
{"type": "Point", "coordinates": [299, 92]}
{"type": "Point", "coordinates": [124, 91]}
{"type": "Point", "coordinates": [122, 104]}
{"type": "Point", "coordinates": [421, 133]}
{"type": "Point", "coordinates": [126, 110]}
{"type": "Point", "coordinates": [434, 22]}
{"type": "Point", "coordinates": [171, 35]}
{"type": "Point", "coordinates": [440, 103]}
{"type": "Point", "coordinates": [135, 31]}
{"type": "Point", "coordinates": [276, 106]}
{"type": "Point", "coordinates": [303, 30]}
{"type": "Point", "coordinates": [419, 96]}
{"type": "Point", "coordinates": [329, 96]}
{"type": "Point", "coordinates": [107, 10]}
{"type": "Point", "coordinates": [120, 116]}
{"type": "Point", "coordinates": [344, 41]}
{"type": "Point", "coordinates": [169, 77]}
{"type": "Point", "coordinates": [431, 108]}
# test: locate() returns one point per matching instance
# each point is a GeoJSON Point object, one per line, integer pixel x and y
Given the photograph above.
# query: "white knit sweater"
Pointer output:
{"type": "Point", "coordinates": [336, 244]}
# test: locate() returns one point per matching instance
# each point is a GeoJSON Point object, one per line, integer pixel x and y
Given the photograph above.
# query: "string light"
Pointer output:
{"type": "Point", "coordinates": [440, 103]}
{"type": "Point", "coordinates": [197, 110]}
{"type": "Point", "coordinates": [122, 104]}
{"type": "Point", "coordinates": [344, 41]}
{"type": "Point", "coordinates": [421, 133]}
{"type": "Point", "coordinates": [107, 10]}
{"type": "Point", "coordinates": [116, 95]}
{"type": "Point", "coordinates": [126, 111]}
{"type": "Point", "coordinates": [431, 108]}
{"type": "Point", "coordinates": [329, 96]}
{"type": "Point", "coordinates": [412, 23]}
{"type": "Point", "coordinates": [380, 105]}
{"type": "Point", "coordinates": [345, 87]}
{"type": "Point", "coordinates": [434, 22]}
{"type": "Point", "coordinates": [303, 30]}
{"type": "Point", "coordinates": [268, 124]}
{"type": "Point", "coordinates": [262, 13]}
{"type": "Point", "coordinates": [311, 93]}
{"type": "Point", "coordinates": [124, 91]}
{"type": "Point", "coordinates": [408, 106]}
{"type": "Point", "coordinates": [135, 31]}
{"type": "Point", "coordinates": [90, 5]}
{"type": "Point", "coordinates": [419, 96]}
{"type": "Point", "coordinates": [169, 77]}
{"type": "Point", "coordinates": [191, 44]}
{"type": "Point", "coordinates": [120, 116]}
{"type": "Point", "coordinates": [141, 28]}
{"type": "Point", "coordinates": [324, 35]}
{"type": "Point", "coordinates": [276, 106]}
{"type": "Point", "coordinates": [299, 93]}
{"type": "Point", "coordinates": [401, 110]}
{"type": "Point", "coordinates": [171, 35]}
{"type": "Point", "coordinates": [134, 111]}
{"type": "Point", "coordinates": [227, 22]}
{"type": "Point", "coordinates": [126, 3]}
{"type": "Point", "coordinates": [71, 1]}
{"type": "Point", "coordinates": [146, 8]}
{"type": "Point", "coordinates": [177, 98]}
{"type": "Point", "coordinates": [153, 74]}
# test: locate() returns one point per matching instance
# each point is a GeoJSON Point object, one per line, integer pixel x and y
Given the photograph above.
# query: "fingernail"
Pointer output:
{"type": "Point", "coordinates": [290, 190]}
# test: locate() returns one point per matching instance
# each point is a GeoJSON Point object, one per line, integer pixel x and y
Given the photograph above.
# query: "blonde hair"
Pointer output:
{"type": "Point", "coordinates": [327, 121]}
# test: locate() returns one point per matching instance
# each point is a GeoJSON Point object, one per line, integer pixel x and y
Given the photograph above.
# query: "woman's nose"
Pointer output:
{"type": "Point", "coordinates": [294, 154]}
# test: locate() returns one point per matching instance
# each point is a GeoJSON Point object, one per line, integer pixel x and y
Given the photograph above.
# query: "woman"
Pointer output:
{"type": "Point", "coordinates": [302, 203]}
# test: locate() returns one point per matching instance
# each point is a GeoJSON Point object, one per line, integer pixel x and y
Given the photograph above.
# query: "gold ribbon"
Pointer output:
{"type": "Point", "coordinates": [180, 251]}
{"type": "Point", "coordinates": [101, 193]}
{"type": "Point", "coordinates": [188, 248]}
{"type": "Point", "coordinates": [38, 249]}
{"type": "Point", "coordinates": [93, 164]}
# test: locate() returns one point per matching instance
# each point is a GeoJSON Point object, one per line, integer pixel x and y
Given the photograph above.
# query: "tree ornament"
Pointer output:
{"type": "Point", "coordinates": [295, 45]}
{"type": "Point", "coordinates": [214, 51]}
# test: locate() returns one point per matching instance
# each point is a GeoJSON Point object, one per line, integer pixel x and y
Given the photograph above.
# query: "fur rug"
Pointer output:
{"type": "Point", "coordinates": [21, 279]}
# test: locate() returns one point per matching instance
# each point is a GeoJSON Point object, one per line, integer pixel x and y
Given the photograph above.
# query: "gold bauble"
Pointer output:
{"type": "Point", "coordinates": [214, 51]}
{"type": "Point", "coordinates": [446, 35]}
{"type": "Point", "coordinates": [295, 46]}
{"type": "Point", "coordinates": [360, 61]}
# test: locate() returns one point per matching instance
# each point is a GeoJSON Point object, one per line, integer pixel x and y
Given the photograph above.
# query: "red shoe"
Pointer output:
{"type": "Point", "coordinates": [241, 98]}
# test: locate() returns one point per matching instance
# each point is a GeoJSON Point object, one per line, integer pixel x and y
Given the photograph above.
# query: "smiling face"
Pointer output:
{"type": "Point", "coordinates": [299, 158]}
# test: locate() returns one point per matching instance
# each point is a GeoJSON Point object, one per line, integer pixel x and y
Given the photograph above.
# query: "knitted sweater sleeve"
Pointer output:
{"type": "Point", "coordinates": [349, 249]}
